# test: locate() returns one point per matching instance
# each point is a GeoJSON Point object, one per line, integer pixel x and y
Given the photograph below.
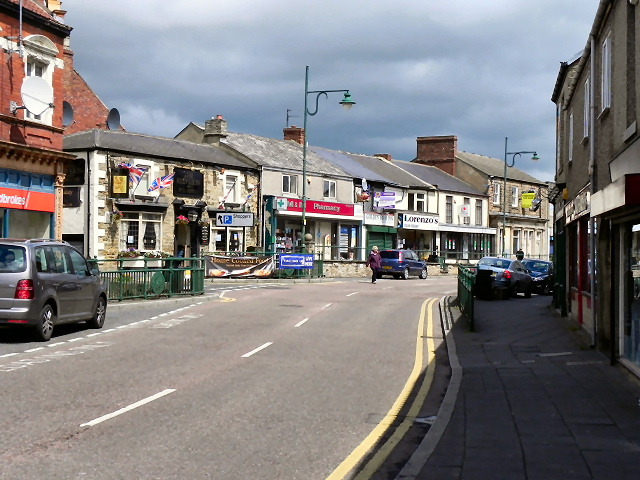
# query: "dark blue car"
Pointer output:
{"type": "Point", "coordinates": [402, 264]}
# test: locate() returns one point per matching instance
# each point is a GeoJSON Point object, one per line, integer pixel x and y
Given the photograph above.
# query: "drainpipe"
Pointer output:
{"type": "Point", "coordinates": [592, 190]}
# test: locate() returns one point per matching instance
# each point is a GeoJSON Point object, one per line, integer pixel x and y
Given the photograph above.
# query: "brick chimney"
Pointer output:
{"type": "Point", "coordinates": [386, 156]}
{"type": "Point", "coordinates": [214, 130]}
{"type": "Point", "coordinates": [294, 133]}
{"type": "Point", "coordinates": [438, 152]}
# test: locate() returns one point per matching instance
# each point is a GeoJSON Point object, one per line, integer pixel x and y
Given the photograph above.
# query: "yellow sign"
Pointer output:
{"type": "Point", "coordinates": [527, 200]}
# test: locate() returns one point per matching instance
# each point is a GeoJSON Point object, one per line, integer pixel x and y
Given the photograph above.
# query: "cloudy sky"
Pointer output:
{"type": "Point", "coordinates": [482, 70]}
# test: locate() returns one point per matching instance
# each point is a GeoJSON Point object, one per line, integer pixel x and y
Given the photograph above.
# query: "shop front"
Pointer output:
{"type": "Point", "coordinates": [335, 228]}
{"type": "Point", "coordinates": [27, 204]}
{"type": "Point", "coordinates": [381, 231]}
{"type": "Point", "coordinates": [419, 232]}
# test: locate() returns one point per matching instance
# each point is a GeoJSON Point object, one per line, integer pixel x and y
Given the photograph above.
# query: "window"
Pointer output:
{"type": "Point", "coordinates": [60, 262]}
{"type": "Point", "coordinates": [514, 196]}
{"type": "Point", "coordinates": [467, 217]}
{"type": "Point", "coordinates": [587, 102]}
{"type": "Point", "coordinates": [478, 212]}
{"type": "Point", "coordinates": [570, 139]}
{"type": "Point", "coordinates": [231, 188]}
{"type": "Point", "coordinates": [142, 187]}
{"type": "Point", "coordinates": [516, 240]}
{"type": "Point", "coordinates": [79, 263]}
{"type": "Point", "coordinates": [290, 184]}
{"type": "Point", "coordinates": [40, 56]}
{"type": "Point", "coordinates": [605, 87]}
{"type": "Point", "coordinates": [34, 69]}
{"type": "Point", "coordinates": [421, 202]}
{"type": "Point", "coordinates": [140, 231]}
{"type": "Point", "coordinates": [496, 193]}
{"type": "Point", "coordinates": [449, 209]}
{"type": "Point", "coordinates": [329, 189]}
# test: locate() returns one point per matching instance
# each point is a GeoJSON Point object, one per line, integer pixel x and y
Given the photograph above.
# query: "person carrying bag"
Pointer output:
{"type": "Point", "coordinates": [374, 262]}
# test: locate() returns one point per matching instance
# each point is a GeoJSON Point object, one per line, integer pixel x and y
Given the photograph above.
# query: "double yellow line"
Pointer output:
{"type": "Point", "coordinates": [381, 429]}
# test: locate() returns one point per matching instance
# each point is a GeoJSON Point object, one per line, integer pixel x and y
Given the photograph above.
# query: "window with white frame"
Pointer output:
{"type": "Point", "coordinates": [40, 54]}
{"type": "Point", "coordinates": [570, 139]}
{"type": "Point", "coordinates": [290, 184]}
{"type": "Point", "coordinates": [140, 231]}
{"type": "Point", "coordinates": [231, 186]}
{"type": "Point", "coordinates": [467, 217]}
{"type": "Point", "coordinates": [496, 193]}
{"type": "Point", "coordinates": [514, 196]}
{"type": "Point", "coordinates": [587, 101]}
{"type": "Point", "coordinates": [449, 209]}
{"type": "Point", "coordinates": [418, 202]}
{"type": "Point", "coordinates": [605, 86]}
{"type": "Point", "coordinates": [329, 190]}
{"type": "Point", "coordinates": [142, 188]}
{"type": "Point", "coordinates": [516, 240]}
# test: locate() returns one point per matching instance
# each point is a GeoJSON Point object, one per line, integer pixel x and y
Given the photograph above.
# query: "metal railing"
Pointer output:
{"type": "Point", "coordinates": [466, 289]}
{"type": "Point", "coordinates": [130, 278]}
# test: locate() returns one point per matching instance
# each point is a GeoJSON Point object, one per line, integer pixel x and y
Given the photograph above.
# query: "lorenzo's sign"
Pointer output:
{"type": "Point", "coordinates": [27, 200]}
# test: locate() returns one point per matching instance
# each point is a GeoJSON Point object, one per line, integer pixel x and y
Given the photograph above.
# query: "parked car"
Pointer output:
{"type": "Point", "coordinates": [541, 273]}
{"type": "Point", "coordinates": [44, 283]}
{"type": "Point", "coordinates": [502, 275]}
{"type": "Point", "coordinates": [402, 264]}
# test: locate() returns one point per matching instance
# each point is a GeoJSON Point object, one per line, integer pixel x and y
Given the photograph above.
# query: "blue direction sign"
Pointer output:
{"type": "Point", "coordinates": [228, 219]}
{"type": "Point", "coordinates": [296, 260]}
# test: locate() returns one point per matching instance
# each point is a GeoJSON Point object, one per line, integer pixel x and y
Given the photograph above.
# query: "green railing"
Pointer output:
{"type": "Point", "coordinates": [129, 278]}
{"type": "Point", "coordinates": [315, 272]}
{"type": "Point", "coordinates": [466, 288]}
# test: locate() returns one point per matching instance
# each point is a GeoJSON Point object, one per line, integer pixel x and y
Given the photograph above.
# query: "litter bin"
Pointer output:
{"type": "Point", "coordinates": [484, 284]}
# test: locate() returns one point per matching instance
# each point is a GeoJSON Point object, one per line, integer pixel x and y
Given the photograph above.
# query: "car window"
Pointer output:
{"type": "Point", "coordinates": [12, 259]}
{"type": "Point", "coordinates": [502, 263]}
{"type": "Point", "coordinates": [40, 256]}
{"type": "Point", "coordinates": [60, 260]}
{"type": "Point", "coordinates": [78, 261]}
{"type": "Point", "coordinates": [389, 254]}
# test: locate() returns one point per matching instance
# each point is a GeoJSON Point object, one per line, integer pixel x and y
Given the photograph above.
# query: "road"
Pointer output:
{"type": "Point", "coordinates": [257, 381]}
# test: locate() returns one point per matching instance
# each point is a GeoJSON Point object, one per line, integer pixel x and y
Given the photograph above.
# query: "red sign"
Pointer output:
{"type": "Point", "coordinates": [27, 200]}
{"type": "Point", "coordinates": [314, 206]}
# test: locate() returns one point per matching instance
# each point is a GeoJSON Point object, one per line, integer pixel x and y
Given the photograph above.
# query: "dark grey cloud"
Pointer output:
{"type": "Point", "coordinates": [478, 70]}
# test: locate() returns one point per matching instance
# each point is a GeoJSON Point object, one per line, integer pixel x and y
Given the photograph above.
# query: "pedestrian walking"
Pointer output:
{"type": "Point", "coordinates": [374, 262]}
{"type": "Point", "coordinates": [520, 254]}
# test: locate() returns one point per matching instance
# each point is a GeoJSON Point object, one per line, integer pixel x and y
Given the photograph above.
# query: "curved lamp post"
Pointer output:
{"type": "Point", "coordinates": [504, 188]}
{"type": "Point", "coordinates": [347, 103]}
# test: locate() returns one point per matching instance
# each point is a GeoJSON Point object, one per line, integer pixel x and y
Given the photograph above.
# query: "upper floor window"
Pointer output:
{"type": "Point", "coordinates": [514, 196]}
{"type": "Point", "coordinates": [449, 209]}
{"type": "Point", "coordinates": [496, 193]}
{"type": "Point", "coordinates": [478, 212]}
{"type": "Point", "coordinates": [587, 103]}
{"type": "Point", "coordinates": [39, 56]}
{"type": "Point", "coordinates": [570, 139]}
{"type": "Point", "coordinates": [605, 93]}
{"type": "Point", "coordinates": [290, 184]}
{"type": "Point", "coordinates": [467, 217]}
{"type": "Point", "coordinates": [231, 186]}
{"type": "Point", "coordinates": [329, 190]}
{"type": "Point", "coordinates": [417, 202]}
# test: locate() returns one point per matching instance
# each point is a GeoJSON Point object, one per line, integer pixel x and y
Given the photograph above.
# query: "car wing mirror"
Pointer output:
{"type": "Point", "coordinates": [95, 272]}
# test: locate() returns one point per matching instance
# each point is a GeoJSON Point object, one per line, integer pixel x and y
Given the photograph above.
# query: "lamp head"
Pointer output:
{"type": "Point", "coordinates": [535, 157]}
{"type": "Point", "coordinates": [346, 102]}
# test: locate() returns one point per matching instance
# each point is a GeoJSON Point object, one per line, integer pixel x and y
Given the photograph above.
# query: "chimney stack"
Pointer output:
{"type": "Point", "coordinates": [215, 130]}
{"type": "Point", "coordinates": [294, 133]}
{"type": "Point", "coordinates": [386, 156]}
{"type": "Point", "coordinates": [438, 152]}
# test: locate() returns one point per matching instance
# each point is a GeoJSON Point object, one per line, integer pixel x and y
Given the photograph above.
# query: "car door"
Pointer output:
{"type": "Point", "coordinates": [63, 281]}
{"type": "Point", "coordinates": [524, 279]}
{"type": "Point", "coordinates": [86, 283]}
{"type": "Point", "coordinates": [416, 266]}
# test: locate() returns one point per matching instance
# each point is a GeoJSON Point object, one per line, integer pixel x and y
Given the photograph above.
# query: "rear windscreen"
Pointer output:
{"type": "Point", "coordinates": [12, 258]}
{"type": "Point", "coordinates": [389, 254]}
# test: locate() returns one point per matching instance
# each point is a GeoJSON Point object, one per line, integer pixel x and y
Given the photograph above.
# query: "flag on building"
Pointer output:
{"type": "Point", "coordinates": [162, 182]}
{"type": "Point", "coordinates": [135, 172]}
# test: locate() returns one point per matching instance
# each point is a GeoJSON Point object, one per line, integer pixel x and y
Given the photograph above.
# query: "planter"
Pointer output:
{"type": "Point", "coordinates": [135, 262]}
{"type": "Point", "coordinates": [154, 263]}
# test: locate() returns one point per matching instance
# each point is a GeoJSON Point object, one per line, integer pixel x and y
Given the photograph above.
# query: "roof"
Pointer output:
{"type": "Point", "coordinates": [160, 147]}
{"type": "Point", "coordinates": [388, 169]}
{"type": "Point", "coordinates": [438, 178]}
{"type": "Point", "coordinates": [280, 154]}
{"type": "Point", "coordinates": [494, 167]}
{"type": "Point", "coordinates": [351, 166]}
{"type": "Point", "coordinates": [38, 9]}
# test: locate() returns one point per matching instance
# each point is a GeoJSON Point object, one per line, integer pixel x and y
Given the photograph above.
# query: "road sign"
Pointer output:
{"type": "Point", "coordinates": [232, 219]}
{"type": "Point", "coordinates": [296, 261]}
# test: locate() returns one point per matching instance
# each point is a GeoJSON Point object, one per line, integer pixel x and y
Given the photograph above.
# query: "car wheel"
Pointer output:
{"type": "Point", "coordinates": [423, 273]}
{"type": "Point", "coordinates": [514, 290]}
{"type": "Point", "coordinates": [527, 292]}
{"type": "Point", "coordinates": [44, 328]}
{"type": "Point", "coordinates": [97, 321]}
{"type": "Point", "coordinates": [405, 274]}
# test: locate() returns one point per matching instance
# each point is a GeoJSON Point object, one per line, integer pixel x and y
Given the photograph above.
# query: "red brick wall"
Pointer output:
{"type": "Point", "coordinates": [294, 133]}
{"type": "Point", "coordinates": [438, 152]}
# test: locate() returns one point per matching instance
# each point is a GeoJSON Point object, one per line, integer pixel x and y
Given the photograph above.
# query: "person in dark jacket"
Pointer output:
{"type": "Point", "coordinates": [374, 262]}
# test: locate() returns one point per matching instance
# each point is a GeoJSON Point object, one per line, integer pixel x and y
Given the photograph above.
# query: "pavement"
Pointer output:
{"type": "Point", "coordinates": [528, 399]}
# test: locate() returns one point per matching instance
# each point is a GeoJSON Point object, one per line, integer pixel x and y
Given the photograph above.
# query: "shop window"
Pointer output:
{"type": "Point", "coordinates": [631, 319]}
{"type": "Point", "coordinates": [290, 184]}
{"type": "Point", "coordinates": [329, 189]}
{"type": "Point", "coordinates": [140, 231]}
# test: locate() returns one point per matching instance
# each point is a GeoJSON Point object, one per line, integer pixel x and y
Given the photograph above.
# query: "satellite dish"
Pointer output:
{"type": "Point", "coordinates": [67, 114]}
{"type": "Point", "coordinates": [113, 119]}
{"type": "Point", "coordinates": [37, 95]}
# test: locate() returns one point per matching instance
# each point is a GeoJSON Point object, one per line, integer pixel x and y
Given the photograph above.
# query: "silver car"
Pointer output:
{"type": "Point", "coordinates": [44, 283]}
{"type": "Point", "coordinates": [503, 275]}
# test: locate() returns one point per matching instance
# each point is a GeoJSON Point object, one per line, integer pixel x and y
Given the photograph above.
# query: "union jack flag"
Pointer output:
{"type": "Point", "coordinates": [135, 173]}
{"type": "Point", "coordinates": [162, 182]}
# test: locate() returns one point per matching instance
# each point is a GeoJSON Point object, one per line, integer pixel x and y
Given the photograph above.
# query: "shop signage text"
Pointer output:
{"type": "Point", "coordinates": [314, 206]}
{"type": "Point", "coordinates": [382, 219]}
{"type": "Point", "coordinates": [417, 222]}
{"type": "Point", "coordinates": [577, 207]}
{"type": "Point", "coordinates": [27, 200]}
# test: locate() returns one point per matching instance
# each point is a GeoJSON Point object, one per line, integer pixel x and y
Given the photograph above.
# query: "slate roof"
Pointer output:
{"type": "Point", "coordinates": [350, 165]}
{"type": "Point", "coordinates": [438, 178]}
{"type": "Point", "coordinates": [160, 147]}
{"type": "Point", "coordinates": [495, 167]}
{"type": "Point", "coordinates": [38, 8]}
{"type": "Point", "coordinates": [281, 154]}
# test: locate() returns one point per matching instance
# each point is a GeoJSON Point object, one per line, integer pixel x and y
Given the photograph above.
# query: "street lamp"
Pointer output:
{"type": "Point", "coordinates": [504, 193]}
{"type": "Point", "coordinates": [347, 103]}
